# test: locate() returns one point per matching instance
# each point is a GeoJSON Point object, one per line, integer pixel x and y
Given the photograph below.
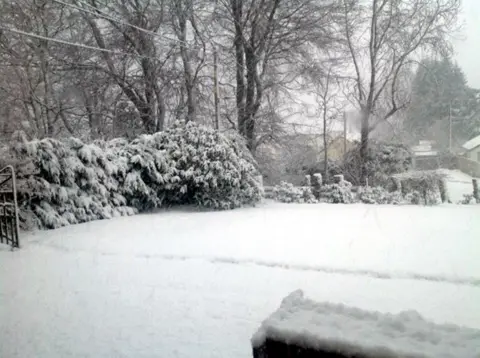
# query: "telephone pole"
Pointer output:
{"type": "Point", "coordinates": [450, 126]}
{"type": "Point", "coordinates": [215, 80]}
{"type": "Point", "coordinates": [344, 133]}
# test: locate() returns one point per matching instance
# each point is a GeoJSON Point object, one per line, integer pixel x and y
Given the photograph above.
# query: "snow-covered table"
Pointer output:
{"type": "Point", "coordinates": [304, 328]}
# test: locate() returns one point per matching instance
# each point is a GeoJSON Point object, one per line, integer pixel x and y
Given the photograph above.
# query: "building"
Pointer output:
{"type": "Point", "coordinates": [472, 149]}
{"type": "Point", "coordinates": [424, 156]}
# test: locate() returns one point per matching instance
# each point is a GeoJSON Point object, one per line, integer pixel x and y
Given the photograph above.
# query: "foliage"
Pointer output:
{"type": "Point", "coordinates": [215, 171]}
{"type": "Point", "coordinates": [379, 195]}
{"type": "Point", "coordinates": [467, 199]}
{"type": "Point", "coordinates": [288, 193]}
{"type": "Point", "coordinates": [340, 193]}
{"type": "Point", "coordinates": [68, 182]}
{"type": "Point", "coordinates": [440, 90]}
{"type": "Point", "coordinates": [383, 160]}
{"type": "Point", "coordinates": [427, 183]}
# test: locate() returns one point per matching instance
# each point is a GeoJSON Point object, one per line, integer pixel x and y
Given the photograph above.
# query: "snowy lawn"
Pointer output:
{"type": "Point", "coordinates": [458, 184]}
{"type": "Point", "coordinates": [183, 283]}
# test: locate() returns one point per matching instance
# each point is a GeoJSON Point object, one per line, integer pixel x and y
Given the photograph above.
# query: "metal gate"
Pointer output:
{"type": "Point", "coordinates": [8, 208]}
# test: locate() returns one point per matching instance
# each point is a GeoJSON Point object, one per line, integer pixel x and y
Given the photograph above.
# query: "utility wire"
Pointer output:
{"type": "Point", "coordinates": [102, 14]}
{"type": "Point", "coordinates": [73, 44]}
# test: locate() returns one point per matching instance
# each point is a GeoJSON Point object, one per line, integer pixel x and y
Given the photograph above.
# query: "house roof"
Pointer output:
{"type": "Point", "coordinates": [472, 143]}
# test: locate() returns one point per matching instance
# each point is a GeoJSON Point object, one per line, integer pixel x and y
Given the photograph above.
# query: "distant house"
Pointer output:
{"type": "Point", "coordinates": [424, 156]}
{"type": "Point", "coordinates": [472, 149]}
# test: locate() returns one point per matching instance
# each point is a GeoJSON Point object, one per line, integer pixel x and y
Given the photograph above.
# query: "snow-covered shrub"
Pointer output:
{"type": "Point", "coordinates": [379, 195]}
{"type": "Point", "coordinates": [340, 193]}
{"type": "Point", "coordinates": [383, 160]}
{"type": "Point", "coordinates": [210, 169]}
{"type": "Point", "coordinates": [414, 197]}
{"type": "Point", "coordinates": [424, 182]}
{"type": "Point", "coordinates": [287, 193]}
{"type": "Point", "coordinates": [65, 182]}
{"type": "Point", "coordinates": [68, 182]}
{"type": "Point", "coordinates": [308, 196]}
{"type": "Point", "coordinates": [467, 199]}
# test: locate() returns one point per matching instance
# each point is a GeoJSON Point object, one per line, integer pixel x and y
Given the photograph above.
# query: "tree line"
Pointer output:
{"type": "Point", "coordinates": [100, 69]}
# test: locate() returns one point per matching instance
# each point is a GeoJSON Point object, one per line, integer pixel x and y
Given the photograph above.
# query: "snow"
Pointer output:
{"type": "Point", "coordinates": [354, 332]}
{"type": "Point", "coordinates": [183, 283]}
{"type": "Point", "coordinates": [430, 153]}
{"type": "Point", "coordinates": [458, 184]}
{"type": "Point", "coordinates": [472, 143]}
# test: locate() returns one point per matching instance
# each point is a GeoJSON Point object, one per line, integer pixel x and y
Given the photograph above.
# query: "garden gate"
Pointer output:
{"type": "Point", "coordinates": [8, 208]}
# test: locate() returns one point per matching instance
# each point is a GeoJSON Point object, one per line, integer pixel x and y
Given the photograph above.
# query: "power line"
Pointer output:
{"type": "Point", "coordinates": [73, 44]}
{"type": "Point", "coordinates": [102, 14]}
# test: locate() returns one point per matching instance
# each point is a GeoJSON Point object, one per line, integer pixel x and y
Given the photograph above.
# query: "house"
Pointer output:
{"type": "Point", "coordinates": [424, 156]}
{"type": "Point", "coordinates": [472, 149]}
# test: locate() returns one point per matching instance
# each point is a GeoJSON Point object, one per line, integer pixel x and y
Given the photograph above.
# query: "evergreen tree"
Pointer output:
{"type": "Point", "coordinates": [440, 93]}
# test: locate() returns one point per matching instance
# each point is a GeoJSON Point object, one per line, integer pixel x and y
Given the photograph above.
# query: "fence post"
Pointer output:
{"type": "Point", "coordinates": [317, 185]}
{"type": "Point", "coordinates": [476, 193]}
{"type": "Point", "coordinates": [308, 180]}
{"type": "Point", "coordinates": [443, 191]}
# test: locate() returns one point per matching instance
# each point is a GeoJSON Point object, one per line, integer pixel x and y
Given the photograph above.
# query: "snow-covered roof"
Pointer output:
{"type": "Point", "coordinates": [355, 332]}
{"type": "Point", "coordinates": [472, 143]}
{"type": "Point", "coordinates": [429, 153]}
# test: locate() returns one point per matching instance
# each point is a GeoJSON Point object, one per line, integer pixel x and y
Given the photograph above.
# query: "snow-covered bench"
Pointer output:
{"type": "Point", "coordinates": [304, 328]}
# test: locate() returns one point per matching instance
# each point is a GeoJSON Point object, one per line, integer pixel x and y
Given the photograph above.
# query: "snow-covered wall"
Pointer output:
{"type": "Point", "coordinates": [301, 327]}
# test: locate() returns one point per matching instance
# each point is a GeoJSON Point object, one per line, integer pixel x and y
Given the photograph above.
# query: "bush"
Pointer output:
{"type": "Point", "coordinates": [383, 160]}
{"type": "Point", "coordinates": [413, 197]}
{"type": "Point", "coordinates": [378, 195]}
{"type": "Point", "coordinates": [288, 193]}
{"type": "Point", "coordinates": [426, 183]}
{"type": "Point", "coordinates": [467, 199]}
{"type": "Point", "coordinates": [68, 182]}
{"type": "Point", "coordinates": [340, 193]}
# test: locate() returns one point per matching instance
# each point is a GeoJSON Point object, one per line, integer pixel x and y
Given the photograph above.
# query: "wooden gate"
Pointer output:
{"type": "Point", "coordinates": [9, 231]}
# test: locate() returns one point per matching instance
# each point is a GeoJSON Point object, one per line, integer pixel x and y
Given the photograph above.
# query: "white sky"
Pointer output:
{"type": "Point", "coordinates": [468, 49]}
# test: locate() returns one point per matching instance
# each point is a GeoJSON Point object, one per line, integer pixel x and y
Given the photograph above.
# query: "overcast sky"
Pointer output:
{"type": "Point", "coordinates": [468, 49]}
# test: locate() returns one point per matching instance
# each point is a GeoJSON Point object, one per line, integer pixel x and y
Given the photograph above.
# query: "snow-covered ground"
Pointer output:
{"type": "Point", "coordinates": [182, 283]}
{"type": "Point", "coordinates": [458, 184]}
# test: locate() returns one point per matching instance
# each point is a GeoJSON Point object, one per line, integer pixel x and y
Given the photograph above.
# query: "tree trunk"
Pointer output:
{"type": "Point", "coordinates": [364, 137]}
{"type": "Point", "coordinates": [325, 146]}
{"type": "Point", "coordinates": [240, 64]}
{"type": "Point", "coordinates": [181, 14]}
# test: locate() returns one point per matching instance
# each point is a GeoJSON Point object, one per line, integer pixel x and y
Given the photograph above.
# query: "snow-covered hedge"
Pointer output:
{"type": "Point", "coordinates": [427, 183]}
{"type": "Point", "coordinates": [379, 195]}
{"type": "Point", "coordinates": [288, 193]}
{"type": "Point", "coordinates": [68, 182]}
{"type": "Point", "coordinates": [339, 193]}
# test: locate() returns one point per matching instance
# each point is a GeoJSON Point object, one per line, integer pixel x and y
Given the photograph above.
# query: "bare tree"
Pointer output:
{"type": "Point", "coordinates": [330, 108]}
{"type": "Point", "coordinates": [146, 95]}
{"type": "Point", "coordinates": [381, 39]}
{"type": "Point", "coordinates": [269, 37]}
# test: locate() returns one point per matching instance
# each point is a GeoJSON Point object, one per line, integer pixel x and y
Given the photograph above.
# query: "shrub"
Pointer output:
{"type": "Point", "coordinates": [288, 193]}
{"type": "Point", "coordinates": [467, 199]}
{"type": "Point", "coordinates": [68, 182]}
{"type": "Point", "coordinates": [383, 160]}
{"type": "Point", "coordinates": [215, 171]}
{"type": "Point", "coordinates": [413, 197]}
{"type": "Point", "coordinates": [426, 183]}
{"type": "Point", "coordinates": [379, 195]}
{"type": "Point", "coordinates": [340, 193]}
